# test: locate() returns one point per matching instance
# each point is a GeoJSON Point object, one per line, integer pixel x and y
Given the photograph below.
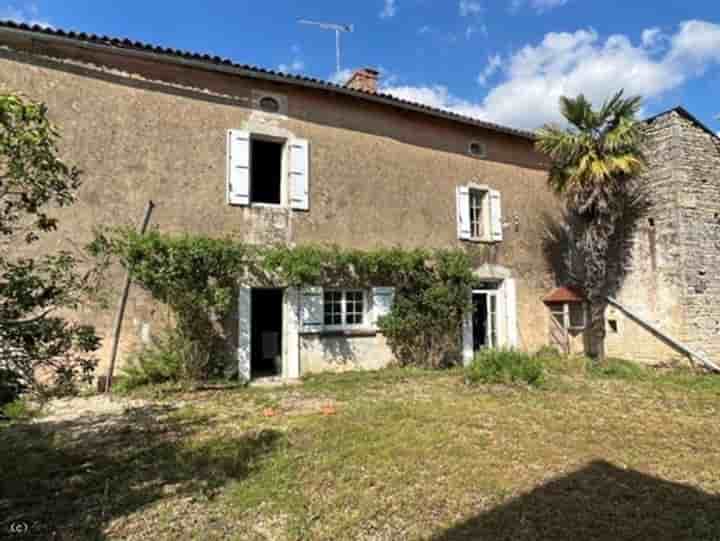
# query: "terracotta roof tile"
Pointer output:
{"type": "Point", "coordinates": [564, 294]}
{"type": "Point", "coordinates": [125, 43]}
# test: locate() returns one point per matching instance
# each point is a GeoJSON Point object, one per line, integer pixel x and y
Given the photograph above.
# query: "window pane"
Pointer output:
{"type": "Point", "coordinates": [354, 309]}
{"type": "Point", "coordinates": [477, 229]}
{"type": "Point", "coordinates": [332, 307]}
{"type": "Point", "coordinates": [492, 321]}
{"type": "Point", "coordinates": [577, 315]}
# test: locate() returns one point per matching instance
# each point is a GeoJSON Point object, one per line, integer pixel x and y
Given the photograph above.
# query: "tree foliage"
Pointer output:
{"type": "Point", "coordinates": [594, 160]}
{"type": "Point", "coordinates": [197, 278]}
{"type": "Point", "coordinates": [39, 348]}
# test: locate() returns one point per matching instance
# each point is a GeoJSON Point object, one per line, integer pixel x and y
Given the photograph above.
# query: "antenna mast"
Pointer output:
{"type": "Point", "coordinates": [338, 28]}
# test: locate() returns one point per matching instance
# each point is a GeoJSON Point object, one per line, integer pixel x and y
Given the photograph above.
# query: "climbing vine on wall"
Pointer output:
{"type": "Point", "coordinates": [197, 278]}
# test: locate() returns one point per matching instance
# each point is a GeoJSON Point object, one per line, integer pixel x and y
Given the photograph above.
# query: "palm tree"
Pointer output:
{"type": "Point", "coordinates": [593, 159]}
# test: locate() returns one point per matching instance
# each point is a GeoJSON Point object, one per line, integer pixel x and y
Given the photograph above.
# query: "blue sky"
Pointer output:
{"type": "Point", "coordinates": [501, 60]}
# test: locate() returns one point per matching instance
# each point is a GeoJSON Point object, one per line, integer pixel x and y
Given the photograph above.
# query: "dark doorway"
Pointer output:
{"type": "Point", "coordinates": [266, 332]}
{"type": "Point", "coordinates": [266, 171]}
{"type": "Point", "coordinates": [480, 321]}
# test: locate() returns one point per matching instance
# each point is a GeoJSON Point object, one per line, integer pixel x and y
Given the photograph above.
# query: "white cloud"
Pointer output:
{"type": "Point", "coordinates": [389, 9]}
{"type": "Point", "coordinates": [469, 8]}
{"type": "Point", "coordinates": [437, 96]}
{"type": "Point", "coordinates": [296, 65]}
{"type": "Point", "coordinates": [545, 5]}
{"type": "Point", "coordinates": [697, 42]}
{"type": "Point", "coordinates": [535, 76]}
{"type": "Point", "coordinates": [651, 37]}
{"type": "Point", "coordinates": [341, 77]}
{"type": "Point", "coordinates": [27, 13]}
{"type": "Point", "coordinates": [493, 65]}
{"type": "Point", "coordinates": [540, 6]}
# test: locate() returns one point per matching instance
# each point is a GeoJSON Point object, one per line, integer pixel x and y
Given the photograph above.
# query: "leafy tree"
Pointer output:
{"type": "Point", "coordinates": [39, 349]}
{"type": "Point", "coordinates": [593, 162]}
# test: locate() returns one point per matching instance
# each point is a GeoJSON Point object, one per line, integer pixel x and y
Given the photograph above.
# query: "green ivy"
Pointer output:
{"type": "Point", "coordinates": [197, 278]}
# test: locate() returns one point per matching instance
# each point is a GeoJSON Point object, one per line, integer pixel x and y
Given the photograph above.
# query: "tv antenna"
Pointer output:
{"type": "Point", "coordinates": [338, 28]}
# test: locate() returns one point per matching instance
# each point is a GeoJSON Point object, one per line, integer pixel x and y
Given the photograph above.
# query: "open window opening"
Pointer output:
{"type": "Point", "coordinates": [265, 171]}
{"type": "Point", "coordinates": [266, 328]}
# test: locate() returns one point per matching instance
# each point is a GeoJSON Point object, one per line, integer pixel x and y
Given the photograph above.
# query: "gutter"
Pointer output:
{"type": "Point", "coordinates": [692, 355]}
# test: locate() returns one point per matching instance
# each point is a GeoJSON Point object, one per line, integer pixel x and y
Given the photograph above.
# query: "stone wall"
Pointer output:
{"type": "Point", "coordinates": [145, 129]}
{"type": "Point", "coordinates": [698, 192]}
{"type": "Point", "coordinates": [672, 279]}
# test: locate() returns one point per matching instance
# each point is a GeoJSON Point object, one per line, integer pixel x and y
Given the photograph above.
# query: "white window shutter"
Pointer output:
{"type": "Point", "coordinates": [311, 309]}
{"type": "Point", "coordinates": [299, 174]}
{"type": "Point", "coordinates": [238, 167]}
{"type": "Point", "coordinates": [244, 333]}
{"type": "Point", "coordinates": [496, 230]}
{"type": "Point", "coordinates": [292, 333]}
{"type": "Point", "coordinates": [382, 301]}
{"type": "Point", "coordinates": [463, 212]}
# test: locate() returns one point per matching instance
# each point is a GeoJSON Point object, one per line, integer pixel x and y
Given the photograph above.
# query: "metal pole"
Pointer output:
{"type": "Point", "coordinates": [337, 50]}
{"type": "Point", "coordinates": [121, 306]}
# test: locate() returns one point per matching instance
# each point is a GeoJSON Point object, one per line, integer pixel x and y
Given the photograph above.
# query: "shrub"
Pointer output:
{"type": "Point", "coordinates": [170, 357]}
{"type": "Point", "coordinates": [617, 369]}
{"type": "Point", "coordinates": [19, 410]}
{"type": "Point", "coordinates": [548, 352]}
{"type": "Point", "coordinates": [505, 366]}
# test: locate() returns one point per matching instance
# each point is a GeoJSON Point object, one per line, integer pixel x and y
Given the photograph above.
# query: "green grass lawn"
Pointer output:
{"type": "Point", "coordinates": [390, 455]}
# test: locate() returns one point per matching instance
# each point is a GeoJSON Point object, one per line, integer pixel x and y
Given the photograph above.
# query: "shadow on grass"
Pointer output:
{"type": "Point", "coordinates": [600, 501]}
{"type": "Point", "coordinates": [68, 480]}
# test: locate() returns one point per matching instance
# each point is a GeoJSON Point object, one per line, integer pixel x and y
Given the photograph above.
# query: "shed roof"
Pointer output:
{"type": "Point", "coordinates": [564, 294]}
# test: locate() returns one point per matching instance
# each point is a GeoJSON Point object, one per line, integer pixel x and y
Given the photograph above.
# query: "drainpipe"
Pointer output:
{"type": "Point", "coordinates": [694, 357]}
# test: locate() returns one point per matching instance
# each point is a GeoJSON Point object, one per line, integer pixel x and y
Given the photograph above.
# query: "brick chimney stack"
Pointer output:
{"type": "Point", "coordinates": [364, 79]}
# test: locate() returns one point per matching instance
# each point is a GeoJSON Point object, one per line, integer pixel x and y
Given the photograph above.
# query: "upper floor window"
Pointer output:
{"type": "Point", "coordinates": [479, 214]}
{"type": "Point", "coordinates": [255, 170]}
{"type": "Point", "coordinates": [269, 104]}
{"type": "Point", "coordinates": [477, 149]}
{"type": "Point", "coordinates": [266, 159]}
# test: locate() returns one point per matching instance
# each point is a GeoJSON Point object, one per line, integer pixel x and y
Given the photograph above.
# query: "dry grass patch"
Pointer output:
{"type": "Point", "coordinates": [404, 455]}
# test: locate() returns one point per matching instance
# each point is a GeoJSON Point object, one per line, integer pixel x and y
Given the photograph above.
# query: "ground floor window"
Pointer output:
{"type": "Point", "coordinates": [343, 308]}
{"type": "Point", "coordinates": [570, 316]}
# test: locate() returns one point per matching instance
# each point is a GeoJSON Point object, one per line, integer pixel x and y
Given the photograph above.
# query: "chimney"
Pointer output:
{"type": "Point", "coordinates": [364, 79]}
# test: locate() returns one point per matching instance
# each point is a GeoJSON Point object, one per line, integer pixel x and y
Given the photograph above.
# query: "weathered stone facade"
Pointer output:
{"type": "Point", "coordinates": [673, 281]}
{"type": "Point", "coordinates": [146, 128]}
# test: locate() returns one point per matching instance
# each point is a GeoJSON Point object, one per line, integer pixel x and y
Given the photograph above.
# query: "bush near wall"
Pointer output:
{"type": "Point", "coordinates": [197, 277]}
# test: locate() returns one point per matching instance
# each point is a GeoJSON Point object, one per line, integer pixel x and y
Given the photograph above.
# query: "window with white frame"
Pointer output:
{"type": "Point", "coordinates": [257, 165]}
{"type": "Point", "coordinates": [343, 308]}
{"type": "Point", "coordinates": [571, 316]}
{"type": "Point", "coordinates": [479, 213]}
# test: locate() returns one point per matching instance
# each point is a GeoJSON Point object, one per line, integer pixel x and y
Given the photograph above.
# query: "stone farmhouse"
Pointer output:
{"type": "Point", "coordinates": [228, 149]}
